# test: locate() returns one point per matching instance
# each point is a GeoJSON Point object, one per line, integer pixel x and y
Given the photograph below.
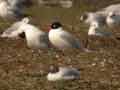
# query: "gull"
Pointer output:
{"type": "Point", "coordinates": [100, 15]}
{"type": "Point", "coordinates": [95, 30]}
{"type": "Point", "coordinates": [34, 37]}
{"type": "Point", "coordinates": [62, 39]}
{"type": "Point", "coordinates": [63, 73]}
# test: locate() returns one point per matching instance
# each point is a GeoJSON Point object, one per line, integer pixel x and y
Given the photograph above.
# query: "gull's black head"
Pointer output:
{"type": "Point", "coordinates": [84, 17]}
{"type": "Point", "coordinates": [53, 69]}
{"type": "Point", "coordinates": [56, 25]}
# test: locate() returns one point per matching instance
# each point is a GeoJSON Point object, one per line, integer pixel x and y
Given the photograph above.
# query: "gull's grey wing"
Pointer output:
{"type": "Point", "coordinates": [44, 40]}
{"type": "Point", "coordinates": [67, 37]}
{"type": "Point", "coordinates": [71, 72]}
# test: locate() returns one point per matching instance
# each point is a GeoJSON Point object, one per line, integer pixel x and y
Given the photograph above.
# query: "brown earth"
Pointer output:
{"type": "Point", "coordinates": [22, 68]}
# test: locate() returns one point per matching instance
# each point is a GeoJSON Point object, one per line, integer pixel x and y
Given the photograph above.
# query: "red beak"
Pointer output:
{"type": "Point", "coordinates": [47, 28]}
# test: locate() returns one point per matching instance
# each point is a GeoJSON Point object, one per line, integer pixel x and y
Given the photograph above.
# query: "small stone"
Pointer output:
{"type": "Point", "coordinates": [93, 64]}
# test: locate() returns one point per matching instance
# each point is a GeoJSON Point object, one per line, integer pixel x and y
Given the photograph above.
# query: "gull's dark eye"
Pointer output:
{"type": "Point", "coordinates": [56, 25]}
{"type": "Point", "coordinates": [84, 17]}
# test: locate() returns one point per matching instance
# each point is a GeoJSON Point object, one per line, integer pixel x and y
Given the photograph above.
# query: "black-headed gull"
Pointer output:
{"type": "Point", "coordinates": [62, 39]}
{"type": "Point", "coordinates": [63, 73]}
{"type": "Point", "coordinates": [35, 38]}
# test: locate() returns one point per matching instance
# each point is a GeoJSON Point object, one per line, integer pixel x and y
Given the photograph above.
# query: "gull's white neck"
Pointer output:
{"type": "Point", "coordinates": [58, 29]}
